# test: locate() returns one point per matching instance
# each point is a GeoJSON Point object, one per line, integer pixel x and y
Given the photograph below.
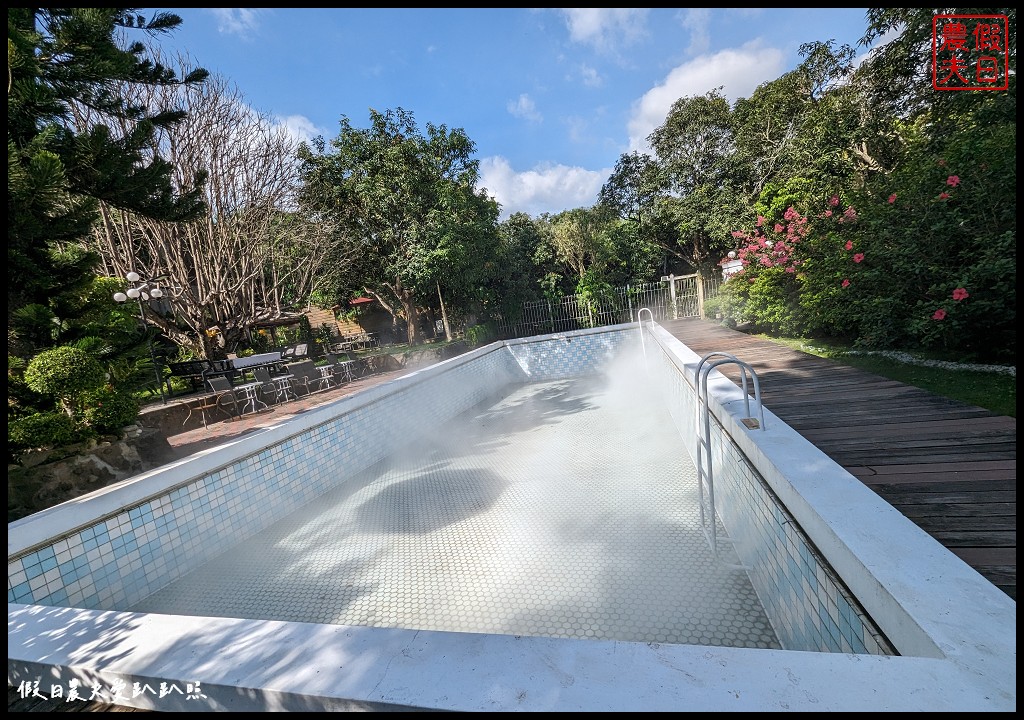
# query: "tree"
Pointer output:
{"type": "Point", "coordinates": [635, 192]}
{"type": "Point", "coordinates": [60, 59]}
{"type": "Point", "coordinates": [251, 256]}
{"type": "Point", "coordinates": [464, 251]}
{"type": "Point", "coordinates": [696, 148]}
{"type": "Point", "coordinates": [400, 195]}
{"type": "Point", "coordinates": [579, 241]}
{"type": "Point", "coordinates": [633, 188]}
{"type": "Point", "coordinates": [515, 279]}
{"type": "Point", "coordinates": [899, 74]}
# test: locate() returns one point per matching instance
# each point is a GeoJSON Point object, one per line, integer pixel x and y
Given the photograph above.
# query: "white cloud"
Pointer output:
{"type": "Point", "coordinates": [697, 20]}
{"type": "Point", "coordinates": [577, 127]}
{"type": "Point", "coordinates": [237, 21]}
{"type": "Point", "coordinates": [591, 78]}
{"type": "Point", "coordinates": [740, 71]}
{"type": "Point", "coordinates": [524, 107]}
{"type": "Point", "coordinates": [606, 29]}
{"type": "Point", "coordinates": [545, 189]}
{"type": "Point", "coordinates": [300, 127]}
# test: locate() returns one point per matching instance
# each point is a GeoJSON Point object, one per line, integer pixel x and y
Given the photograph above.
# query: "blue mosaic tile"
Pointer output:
{"type": "Point", "coordinates": [125, 558]}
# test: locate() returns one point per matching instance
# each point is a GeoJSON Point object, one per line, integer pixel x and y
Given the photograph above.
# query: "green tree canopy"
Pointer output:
{"type": "Point", "coordinates": [62, 60]}
{"type": "Point", "coordinates": [408, 199]}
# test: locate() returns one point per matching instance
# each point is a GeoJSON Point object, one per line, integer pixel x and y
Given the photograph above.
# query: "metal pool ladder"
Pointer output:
{"type": "Point", "coordinates": [640, 322]}
{"type": "Point", "coordinates": [705, 463]}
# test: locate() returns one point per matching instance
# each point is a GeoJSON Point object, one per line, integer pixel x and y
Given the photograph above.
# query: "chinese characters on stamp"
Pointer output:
{"type": "Point", "coordinates": [969, 52]}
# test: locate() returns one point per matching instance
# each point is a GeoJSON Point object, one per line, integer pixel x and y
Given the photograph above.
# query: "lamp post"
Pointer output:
{"type": "Point", "coordinates": [144, 290]}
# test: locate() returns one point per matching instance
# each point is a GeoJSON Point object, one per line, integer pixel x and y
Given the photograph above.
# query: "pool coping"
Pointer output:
{"type": "Point", "coordinates": [957, 631]}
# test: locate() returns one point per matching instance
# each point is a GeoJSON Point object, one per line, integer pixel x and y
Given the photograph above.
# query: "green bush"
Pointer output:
{"type": "Point", "coordinates": [64, 373]}
{"type": "Point", "coordinates": [48, 429]}
{"type": "Point", "coordinates": [773, 302]}
{"type": "Point", "coordinates": [21, 399]}
{"type": "Point", "coordinates": [107, 411]}
{"type": "Point", "coordinates": [725, 307]}
{"type": "Point", "coordinates": [477, 335]}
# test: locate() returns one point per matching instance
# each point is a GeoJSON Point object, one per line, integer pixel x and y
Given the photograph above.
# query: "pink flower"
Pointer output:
{"type": "Point", "coordinates": [859, 257]}
{"type": "Point", "coordinates": [828, 213]}
{"type": "Point", "coordinates": [791, 269]}
{"type": "Point", "coordinates": [834, 200]}
{"type": "Point", "coordinates": [953, 180]}
{"type": "Point", "coordinates": [846, 283]}
{"type": "Point", "coordinates": [779, 228]}
{"type": "Point", "coordinates": [850, 213]}
{"type": "Point", "coordinates": [892, 198]}
{"type": "Point", "coordinates": [939, 314]}
{"type": "Point", "coordinates": [943, 196]}
{"type": "Point", "coordinates": [849, 245]}
{"type": "Point", "coordinates": [761, 220]}
{"type": "Point", "coordinates": [960, 294]}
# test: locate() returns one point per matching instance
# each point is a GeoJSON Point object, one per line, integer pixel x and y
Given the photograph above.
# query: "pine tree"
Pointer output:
{"type": "Point", "coordinates": [60, 59]}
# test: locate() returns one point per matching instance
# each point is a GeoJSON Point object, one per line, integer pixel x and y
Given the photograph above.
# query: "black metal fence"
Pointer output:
{"type": "Point", "coordinates": [673, 297]}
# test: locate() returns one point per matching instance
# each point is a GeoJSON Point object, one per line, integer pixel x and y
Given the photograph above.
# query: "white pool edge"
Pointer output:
{"type": "Point", "coordinates": [961, 627]}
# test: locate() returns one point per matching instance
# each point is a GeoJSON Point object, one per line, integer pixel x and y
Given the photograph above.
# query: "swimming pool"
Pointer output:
{"type": "Point", "coordinates": [820, 559]}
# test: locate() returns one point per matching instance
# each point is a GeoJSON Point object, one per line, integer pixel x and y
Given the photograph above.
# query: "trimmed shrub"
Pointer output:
{"type": "Point", "coordinates": [49, 429]}
{"type": "Point", "coordinates": [64, 373]}
{"type": "Point", "coordinates": [107, 411]}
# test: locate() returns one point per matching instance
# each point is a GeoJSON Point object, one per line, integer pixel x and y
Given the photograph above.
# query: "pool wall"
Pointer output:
{"type": "Point", "coordinates": [809, 606]}
{"type": "Point", "coordinates": [194, 511]}
{"type": "Point", "coordinates": [122, 543]}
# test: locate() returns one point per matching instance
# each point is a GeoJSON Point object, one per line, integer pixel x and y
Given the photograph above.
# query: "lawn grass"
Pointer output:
{"type": "Point", "coordinates": [993, 391]}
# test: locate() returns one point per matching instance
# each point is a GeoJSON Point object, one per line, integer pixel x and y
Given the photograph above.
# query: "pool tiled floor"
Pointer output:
{"type": "Point", "coordinates": [566, 509]}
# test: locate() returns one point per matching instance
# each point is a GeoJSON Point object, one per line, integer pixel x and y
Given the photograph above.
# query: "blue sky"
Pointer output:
{"type": "Point", "coordinates": [551, 97]}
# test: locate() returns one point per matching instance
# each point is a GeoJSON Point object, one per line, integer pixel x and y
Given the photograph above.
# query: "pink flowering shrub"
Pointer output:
{"type": "Point", "coordinates": [919, 257]}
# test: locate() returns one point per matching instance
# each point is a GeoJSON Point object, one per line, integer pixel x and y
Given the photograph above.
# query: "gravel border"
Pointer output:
{"type": "Point", "coordinates": [909, 359]}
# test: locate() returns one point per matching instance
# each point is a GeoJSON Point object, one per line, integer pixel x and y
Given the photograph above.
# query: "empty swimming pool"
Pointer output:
{"type": "Point", "coordinates": [566, 509]}
{"type": "Point", "coordinates": [504, 531]}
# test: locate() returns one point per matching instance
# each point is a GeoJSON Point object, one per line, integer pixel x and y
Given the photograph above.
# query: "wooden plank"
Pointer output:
{"type": "Point", "coordinates": [991, 556]}
{"type": "Point", "coordinates": [914, 478]}
{"type": "Point", "coordinates": [964, 538]}
{"type": "Point", "coordinates": [951, 485]}
{"type": "Point", "coordinates": [962, 465]}
{"type": "Point", "coordinates": [995, 510]}
{"type": "Point", "coordinates": [951, 523]}
{"type": "Point", "coordinates": [949, 466]}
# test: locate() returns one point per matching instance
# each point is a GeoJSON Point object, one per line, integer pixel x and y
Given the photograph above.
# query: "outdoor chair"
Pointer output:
{"type": "Point", "coordinates": [221, 390]}
{"type": "Point", "coordinates": [277, 386]}
{"type": "Point", "coordinates": [304, 375]}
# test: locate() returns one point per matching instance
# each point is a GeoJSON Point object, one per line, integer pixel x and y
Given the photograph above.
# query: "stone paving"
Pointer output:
{"type": "Point", "coordinates": [222, 430]}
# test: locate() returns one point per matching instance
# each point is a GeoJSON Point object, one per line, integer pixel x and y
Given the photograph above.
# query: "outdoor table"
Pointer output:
{"type": "Point", "coordinates": [326, 372]}
{"type": "Point", "coordinates": [283, 389]}
{"type": "Point", "coordinates": [269, 360]}
{"type": "Point", "coordinates": [346, 370]}
{"type": "Point", "coordinates": [250, 390]}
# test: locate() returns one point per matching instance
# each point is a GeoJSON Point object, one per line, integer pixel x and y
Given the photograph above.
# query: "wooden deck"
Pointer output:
{"type": "Point", "coordinates": [950, 468]}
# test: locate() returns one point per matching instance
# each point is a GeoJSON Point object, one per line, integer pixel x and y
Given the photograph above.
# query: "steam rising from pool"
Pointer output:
{"type": "Point", "coordinates": [564, 508]}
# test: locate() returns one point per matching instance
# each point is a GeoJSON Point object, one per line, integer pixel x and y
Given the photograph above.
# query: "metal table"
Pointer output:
{"type": "Point", "coordinates": [326, 374]}
{"type": "Point", "coordinates": [251, 393]}
{"type": "Point", "coordinates": [283, 389]}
